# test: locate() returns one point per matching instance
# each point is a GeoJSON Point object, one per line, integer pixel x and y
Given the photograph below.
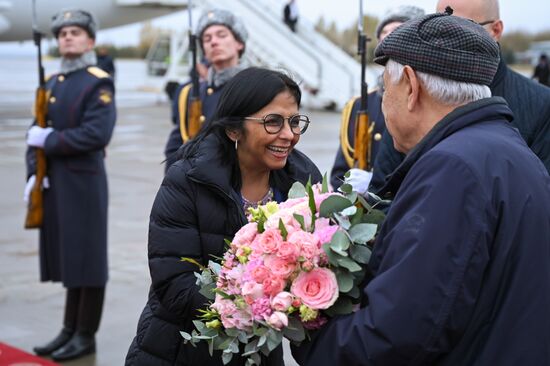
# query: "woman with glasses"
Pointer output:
{"type": "Point", "coordinates": [243, 158]}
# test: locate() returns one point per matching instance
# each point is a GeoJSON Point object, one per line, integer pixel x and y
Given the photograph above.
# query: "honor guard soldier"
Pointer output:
{"type": "Point", "coordinates": [344, 157]}
{"type": "Point", "coordinates": [222, 37]}
{"type": "Point", "coordinates": [80, 119]}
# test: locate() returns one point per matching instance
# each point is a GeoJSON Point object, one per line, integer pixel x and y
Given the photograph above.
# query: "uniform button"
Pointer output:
{"type": "Point", "coordinates": [202, 119]}
{"type": "Point", "coordinates": [60, 78]}
{"type": "Point", "coordinates": [377, 136]}
{"type": "Point", "coordinates": [52, 99]}
{"type": "Point", "coordinates": [209, 91]}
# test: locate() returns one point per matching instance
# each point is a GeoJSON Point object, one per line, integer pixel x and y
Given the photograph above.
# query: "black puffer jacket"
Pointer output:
{"type": "Point", "coordinates": [195, 208]}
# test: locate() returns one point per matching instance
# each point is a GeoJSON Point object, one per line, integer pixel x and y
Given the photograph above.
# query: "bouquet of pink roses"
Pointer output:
{"type": "Point", "coordinates": [292, 266]}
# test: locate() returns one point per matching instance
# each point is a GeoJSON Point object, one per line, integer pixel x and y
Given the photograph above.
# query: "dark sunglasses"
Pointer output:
{"type": "Point", "coordinates": [273, 123]}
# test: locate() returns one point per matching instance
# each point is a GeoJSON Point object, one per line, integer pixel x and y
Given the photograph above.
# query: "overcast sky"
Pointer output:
{"type": "Point", "coordinates": [528, 15]}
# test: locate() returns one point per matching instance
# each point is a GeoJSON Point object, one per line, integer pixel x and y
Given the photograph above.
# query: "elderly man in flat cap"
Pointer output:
{"type": "Point", "coordinates": [222, 37]}
{"type": "Point", "coordinates": [460, 265]}
{"type": "Point", "coordinates": [528, 100]}
{"type": "Point", "coordinates": [73, 238]}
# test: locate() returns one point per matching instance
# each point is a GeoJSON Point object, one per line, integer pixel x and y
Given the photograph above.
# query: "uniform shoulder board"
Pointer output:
{"type": "Point", "coordinates": [97, 72]}
{"type": "Point", "coordinates": [48, 77]}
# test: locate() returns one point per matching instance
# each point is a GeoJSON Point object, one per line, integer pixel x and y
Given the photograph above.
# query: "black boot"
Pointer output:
{"type": "Point", "coordinates": [63, 337]}
{"type": "Point", "coordinates": [81, 344]}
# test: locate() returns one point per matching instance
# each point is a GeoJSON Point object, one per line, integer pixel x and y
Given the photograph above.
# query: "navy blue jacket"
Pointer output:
{"type": "Point", "coordinates": [341, 165]}
{"type": "Point", "coordinates": [197, 206]}
{"type": "Point", "coordinates": [209, 96]}
{"type": "Point", "coordinates": [73, 237]}
{"type": "Point", "coordinates": [528, 100]}
{"type": "Point", "coordinates": [461, 274]}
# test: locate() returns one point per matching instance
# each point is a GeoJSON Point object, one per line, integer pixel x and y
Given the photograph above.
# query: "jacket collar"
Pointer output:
{"type": "Point", "coordinates": [464, 116]}
{"type": "Point", "coordinates": [500, 74]}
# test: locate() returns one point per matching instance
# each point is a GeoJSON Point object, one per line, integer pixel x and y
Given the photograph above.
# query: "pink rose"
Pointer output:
{"type": "Point", "coordinates": [280, 267]}
{"type": "Point", "coordinates": [277, 320]}
{"type": "Point", "coordinates": [273, 285]}
{"type": "Point", "coordinates": [268, 241]}
{"type": "Point", "coordinates": [245, 235]}
{"type": "Point", "coordinates": [252, 291]}
{"type": "Point", "coordinates": [309, 244]}
{"type": "Point", "coordinates": [288, 251]}
{"type": "Point", "coordinates": [260, 273]}
{"type": "Point", "coordinates": [318, 289]}
{"type": "Point", "coordinates": [282, 301]}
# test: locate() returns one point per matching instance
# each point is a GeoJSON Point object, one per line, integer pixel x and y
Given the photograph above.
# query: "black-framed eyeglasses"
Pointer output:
{"type": "Point", "coordinates": [487, 22]}
{"type": "Point", "coordinates": [273, 123]}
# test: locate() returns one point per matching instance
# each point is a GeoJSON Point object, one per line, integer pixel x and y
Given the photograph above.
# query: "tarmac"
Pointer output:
{"type": "Point", "coordinates": [31, 312]}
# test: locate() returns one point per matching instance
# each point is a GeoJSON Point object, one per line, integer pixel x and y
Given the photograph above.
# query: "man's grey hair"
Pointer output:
{"type": "Point", "coordinates": [445, 91]}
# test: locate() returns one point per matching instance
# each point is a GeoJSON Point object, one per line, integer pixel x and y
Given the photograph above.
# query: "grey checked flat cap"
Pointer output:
{"type": "Point", "coordinates": [223, 17]}
{"type": "Point", "coordinates": [78, 17]}
{"type": "Point", "coordinates": [444, 45]}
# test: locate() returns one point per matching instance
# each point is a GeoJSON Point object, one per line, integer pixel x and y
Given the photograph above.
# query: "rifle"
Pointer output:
{"type": "Point", "coordinates": [363, 131]}
{"type": "Point", "coordinates": [195, 107]}
{"type": "Point", "coordinates": [35, 209]}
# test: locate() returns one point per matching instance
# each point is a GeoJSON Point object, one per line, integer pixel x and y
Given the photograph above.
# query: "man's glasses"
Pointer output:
{"type": "Point", "coordinates": [273, 123]}
{"type": "Point", "coordinates": [487, 22]}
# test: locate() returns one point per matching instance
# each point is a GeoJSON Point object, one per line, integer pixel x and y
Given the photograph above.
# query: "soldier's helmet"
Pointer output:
{"type": "Point", "coordinates": [78, 17]}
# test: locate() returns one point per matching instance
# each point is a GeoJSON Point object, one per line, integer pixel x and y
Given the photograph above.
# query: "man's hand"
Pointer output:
{"type": "Point", "coordinates": [36, 136]}
{"type": "Point", "coordinates": [30, 184]}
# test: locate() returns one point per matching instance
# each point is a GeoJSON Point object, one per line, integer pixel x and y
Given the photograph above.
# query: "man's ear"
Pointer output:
{"type": "Point", "coordinates": [409, 76]}
{"type": "Point", "coordinates": [496, 29]}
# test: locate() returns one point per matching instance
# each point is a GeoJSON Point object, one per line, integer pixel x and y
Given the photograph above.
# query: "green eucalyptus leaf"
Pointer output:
{"type": "Point", "coordinates": [274, 339]}
{"type": "Point", "coordinates": [297, 190]}
{"type": "Point", "coordinates": [349, 211]}
{"type": "Point", "coordinates": [255, 358]}
{"type": "Point", "coordinates": [342, 221]}
{"type": "Point", "coordinates": [295, 330]}
{"type": "Point", "coordinates": [345, 281]}
{"type": "Point", "coordinates": [332, 256]}
{"type": "Point", "coordinates": [208, 291]}
{"type": "Point", "coordinates": [339, 241]}
{"type": "Point", "coordinates": [348, 263]}
{"type": "Point", "coordinates": [251, 347]}
{"type": "Point", "coordinates": [186, 336]}
{"type": "Point", "coordinates": [226, 357]}
{"type": "Point", "coordinates": [356, 219]}
{"type": "Point", "coordinates": [362, 233]}
{"type": "Point", "coordinates": [360, 253]}
{"type": "Point", "coordinates": [332, 204]}
{"type": "Point", "coordinates": [346, 188]}
{"type": "Point", "coordinates": [354, 292]}
{"type": "Point", "coordinates": [374, 217]}
{"type": "Point", "coordinates": [352, 196]}
{"type": "Point", "coordinates": [342, 306]}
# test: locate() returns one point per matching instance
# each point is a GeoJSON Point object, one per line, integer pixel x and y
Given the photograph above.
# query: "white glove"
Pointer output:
{"type": "Point", "coordinates": [36, 136]}
{"type": "Point", "coordinates": [30, 184]}
{"type": "Point", "coordinates": [359, 179]}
